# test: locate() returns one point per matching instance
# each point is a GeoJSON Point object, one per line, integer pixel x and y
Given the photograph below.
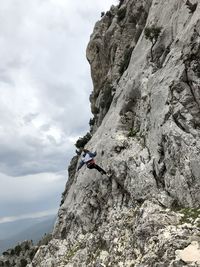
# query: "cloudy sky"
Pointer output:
{"type": "Point", "coordinates": [44, 89]}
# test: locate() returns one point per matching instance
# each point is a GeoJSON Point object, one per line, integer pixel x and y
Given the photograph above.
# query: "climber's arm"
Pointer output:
{"type": "Point", "coordinates": [92, 155]}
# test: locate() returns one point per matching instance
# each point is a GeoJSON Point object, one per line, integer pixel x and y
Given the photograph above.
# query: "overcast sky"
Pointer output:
{"type": "Point", "coordinates": [44, 90]}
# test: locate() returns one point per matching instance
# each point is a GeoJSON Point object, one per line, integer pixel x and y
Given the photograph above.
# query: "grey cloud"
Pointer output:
{"type": "Point", "coordinates": [51, 139]}
{"type": "Point", "coordinates": [45, 127]}
{"type": "Point", "coordinates": [30, 156]}
{"type": "Point", "coordinates": [4, 77]}
{"type": "Point", "coordinates": [45, 85]}
{"type": "Point", "coordinates": [30, 193]}
{"type": "Point", "coordinates": [29, 117]}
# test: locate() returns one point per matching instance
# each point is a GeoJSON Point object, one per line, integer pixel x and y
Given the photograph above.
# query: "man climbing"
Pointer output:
{"type": "Point", "coordinates": [88, 159]}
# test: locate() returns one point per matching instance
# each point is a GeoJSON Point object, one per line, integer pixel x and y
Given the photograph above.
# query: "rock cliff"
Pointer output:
{"type": "Point", "coordinates": [146, 129]}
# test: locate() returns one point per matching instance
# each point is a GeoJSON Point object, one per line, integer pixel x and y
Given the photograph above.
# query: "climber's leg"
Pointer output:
{"type": "Point", "coordinates": [97, 167]}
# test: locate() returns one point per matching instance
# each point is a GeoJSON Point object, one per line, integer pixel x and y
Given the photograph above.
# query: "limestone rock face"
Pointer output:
{"type": "Point", "coordinates": [109, 50]}
{"type": "Point", "coordinates": [146, 131]}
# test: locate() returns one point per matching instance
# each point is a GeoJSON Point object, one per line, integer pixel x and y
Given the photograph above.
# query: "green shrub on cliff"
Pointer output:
{"type": "Point", "coordinates": [18, 249]}
{"type": "Point", "coordinates": [191, 7]}
{"type": "Point", "coordinates": [120, 3]}
{"type": "Point", "coordinates": [121, 13]}
{"type": "Point", "coordinates": [92, 121]}
{"type": "Point", "coordinates": [82, 141]}
{"type": "Point", "coordinates": [152, 33]}
{"type": "Point", "coordinates": [190, 215]}
{"type": "Point", "coordinates": [23, 263]}
{"type": "Point", "coordinates": [132, 132]}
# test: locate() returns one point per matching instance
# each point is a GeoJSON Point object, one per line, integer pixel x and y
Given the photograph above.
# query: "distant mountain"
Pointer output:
{"type": "Point", "coordinates": [10, 229]}
{"type": "Point", "coordinates": [24, 230]}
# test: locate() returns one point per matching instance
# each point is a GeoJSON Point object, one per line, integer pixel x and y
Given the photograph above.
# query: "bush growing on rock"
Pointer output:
{"type": "Point", "coordinates": [23, 263]}
{"type": "Point", "coordinates": [121, 13]}
{"type": "Point", "coordinates": [5, 253]}
{"type": "Point", "coordinates": [109, 14]}
{"type": "Point", "coordinates": [190, 215]}
{"type": "Point", "coordinates": [92, 121]}
{"type": "Point", "coordinates": [27, 247]}
{"type": "Point", "coordinates": [95, 110]}
{"type": "Point", "coordinates": [152, 33]}
{"type": "Point", "coordinates": [190, 6]}
{"type": "Point", "coordinates": [17, 250]}
{"type": "Point", "coordinates": [45, 240]}
{"type": "Point", "coordinates": [132, 132]}
{"type": "Point", "coordinates": [133, 19]}
{"type": "Point", "coordinates": [120, 3]}
{"type": "Point", "coordinates": [32, 254]}
{"type": "Point", "coordinates": [82, 141]}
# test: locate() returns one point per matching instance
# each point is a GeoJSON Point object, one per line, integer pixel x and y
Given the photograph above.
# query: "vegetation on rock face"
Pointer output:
{"type": "Point", "coordinates": [82, 141]}
{"type": "Point", "coordinates": [70, 253]}
{"type": "Point", "coordinates": [190, 215]}
{"type": "Point", "coordinates": [18, 250]}
{"type": "Point", "coordinates": [121, 14]}
{"type": "Point", "coordinates": [23, 263]}
{"type": "Point", "coordinates": [20, 255]}
{"type": "Point", "coordinates": [45, 240]}
{"type": "Point", "coordinates": [132, 132]}
{"type": "Point", "coordinates": [95, 110]}
{"type": "Point", "coordinates": [120, 3]}
{"type": "Point", "coordinates": [109, 14]}
{"type": "Point", "coordinates": [92, 121]}
{"type": "Point", "coordinates": [152, 33]}
{"type": "Point", "coordinates": [190, 6]}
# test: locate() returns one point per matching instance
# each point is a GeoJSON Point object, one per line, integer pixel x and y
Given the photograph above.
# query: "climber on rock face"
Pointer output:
{"type": "Point", "coordinates": [88, 159]}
